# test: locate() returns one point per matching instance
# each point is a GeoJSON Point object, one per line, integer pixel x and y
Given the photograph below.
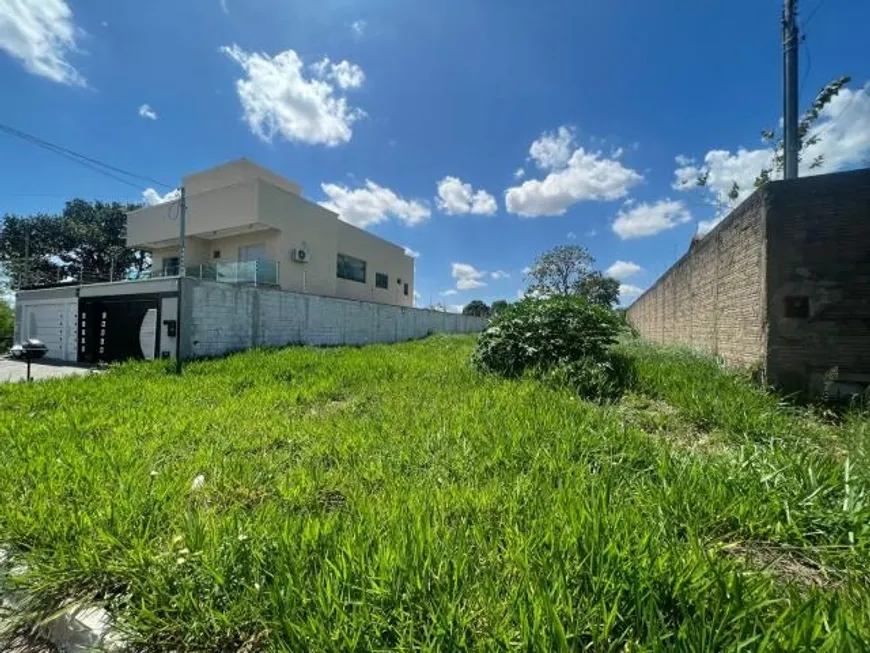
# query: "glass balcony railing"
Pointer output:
{"type": "Point", "coordinates": [255, 273]}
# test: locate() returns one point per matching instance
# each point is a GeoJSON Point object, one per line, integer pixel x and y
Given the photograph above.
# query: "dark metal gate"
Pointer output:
{"type": "Point", "coordinates": [118, 328]}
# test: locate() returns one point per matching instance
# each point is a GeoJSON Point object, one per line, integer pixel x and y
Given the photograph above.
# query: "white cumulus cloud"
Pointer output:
{"type": "Point", "coordinates": [844, 130]}
{"type": "Point", "coordinates": [622, 269]}
{"type": "Point", "coordinates": [145, 111]}
{"type": "Point", "coordinates": [41, 34]}
{"type": "Point", "coordinates": [642, 220]}
{"type": "Point", "coordinates": [553, 149]}
{"type": "Point", "coordinates": [277, 98]}
{"type": "Point", "coordinates": [467, 276]}
{"type": "Point", "coordinates": [372, 204]}
{"type": "Point", "coordinates": [627, 291]}
{"type": "Point", "coordinates": [152, 197]}
{"type": "Point", "coordinates": [358, 27]}
{"type": "Point", "coordinates": [575, 175]}
{"type": "Point", "coordinates": [449, 292]}
{"type": "Point", "coordinates": [500, 274]}
{"type": "Point", "coordinates": [343, 73]}
{"type": "Point", "coordinates": [410, 252]}
{"type": "Point", "coordinates": [519, 173]}
{"type": "Point", "coordinates": [456, 198]}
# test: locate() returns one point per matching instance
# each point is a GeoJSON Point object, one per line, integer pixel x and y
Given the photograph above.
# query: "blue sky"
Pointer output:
{"type": "Point", "coordinates": [414, 119]}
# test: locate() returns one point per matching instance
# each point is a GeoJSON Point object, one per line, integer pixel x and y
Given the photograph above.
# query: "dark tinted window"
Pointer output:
{"type": "Point", "coordinates": [353, 269]}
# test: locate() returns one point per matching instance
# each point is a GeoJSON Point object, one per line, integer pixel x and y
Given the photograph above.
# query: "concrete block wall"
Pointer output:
{"type": "Point", "coordinates": [712, 299]}
{"type": "Point", "coordinates": [819, 249]}
{"type": "Point", "coordinates": [222, 318]}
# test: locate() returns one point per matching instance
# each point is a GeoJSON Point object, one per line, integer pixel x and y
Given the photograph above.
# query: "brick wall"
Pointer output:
{"type": "Point", "coordinates": [221, 318]}
{"type": "Point", "coordinates": [819, 249]}
{"type": "Point", "coordinates": [712, 298]}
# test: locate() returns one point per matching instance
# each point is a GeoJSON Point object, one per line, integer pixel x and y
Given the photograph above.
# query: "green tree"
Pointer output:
{"type": "Point", "coordinates": [600, 289]}
{"type": "Point", "coordinates": [477, 308]}
{"type": "Point", "coordinates": [497, 307]}
{"type": "Point", "coordinates": [567, 270]}
{"type": "Point", "coordinates": [86, 241]}
{"type": "Point", "coordinates": [7, 325]}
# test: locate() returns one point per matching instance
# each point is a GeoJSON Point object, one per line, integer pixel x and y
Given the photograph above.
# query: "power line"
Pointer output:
{"type": "Point", "coordinates": [81, 159]}
{"type": "Point", "coordinates": [812, 13]}
{"type": "Point", "coordinates": [806, 50]}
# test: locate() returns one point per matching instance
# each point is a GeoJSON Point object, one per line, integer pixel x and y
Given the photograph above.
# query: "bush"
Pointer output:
{"type": "Point", "coordinates": [564, 339]}
{"type": "Point", "coordinates": [602, 380]}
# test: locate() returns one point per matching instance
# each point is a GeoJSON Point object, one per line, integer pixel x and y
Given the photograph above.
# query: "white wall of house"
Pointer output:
{"type": "Point", "coordinates": [382, 257]}
{"type": "Point", "coordinates": [307, 225]}
{"type": "Point", "coordinates": [240, 204]}
{"type": "Point", "coordinates": [234, 172]}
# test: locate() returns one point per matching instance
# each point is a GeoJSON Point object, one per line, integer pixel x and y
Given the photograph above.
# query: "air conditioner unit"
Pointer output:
{"type": "Point", "coordinates": [300, 255]}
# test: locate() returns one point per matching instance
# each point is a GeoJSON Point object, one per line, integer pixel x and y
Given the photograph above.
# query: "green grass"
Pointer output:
{"type": "Point", "coordinates": [390, 497]}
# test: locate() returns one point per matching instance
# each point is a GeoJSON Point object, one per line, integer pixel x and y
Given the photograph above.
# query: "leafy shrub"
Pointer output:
{"type": "Point", "coordinates": [564, 339]}
{"type": "Point", "coordinates": [599, 379]}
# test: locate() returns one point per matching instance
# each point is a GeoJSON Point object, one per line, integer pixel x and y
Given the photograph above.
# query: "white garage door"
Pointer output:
{"type": "Point", "coordinates": [55, 323]}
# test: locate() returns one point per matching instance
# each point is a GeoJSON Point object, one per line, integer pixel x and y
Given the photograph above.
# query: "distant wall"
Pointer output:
{"type": "Point", "coordinates": [712, 299]}
{"type": "Point", "coordinates": [818, 233]}
{"type": "Point", "coordinates": [220, 318]}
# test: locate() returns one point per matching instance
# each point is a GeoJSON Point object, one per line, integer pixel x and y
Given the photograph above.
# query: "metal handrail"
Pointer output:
{"type": "Point", "coordinates": [263, 272]}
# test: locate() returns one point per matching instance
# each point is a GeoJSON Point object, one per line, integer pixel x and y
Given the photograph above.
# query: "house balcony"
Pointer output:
{"type": "Point", "coordinates": [263, 272]}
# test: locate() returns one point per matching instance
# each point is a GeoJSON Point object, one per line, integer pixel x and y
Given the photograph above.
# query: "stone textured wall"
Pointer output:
{"type": "Point", "coordinates": [712, 299]}
{"type": "Point", "coordinates": [818, 232]}
{"type": "Point", "coordinates": [221, 318]}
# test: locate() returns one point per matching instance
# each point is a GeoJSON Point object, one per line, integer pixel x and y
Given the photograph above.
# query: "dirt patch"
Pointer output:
{"type": "Point", "coordinates": [331, 407]}
{"type": "Point", "coordinates": [787, 564]}
{"type": "Point", "coordinates": [657, 418]}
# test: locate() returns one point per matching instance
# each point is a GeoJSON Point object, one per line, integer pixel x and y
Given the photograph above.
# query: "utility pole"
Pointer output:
{"type": "Point", "coordinates": [790, 87]}
{"type": "Point", "coordinates": [182, 223]}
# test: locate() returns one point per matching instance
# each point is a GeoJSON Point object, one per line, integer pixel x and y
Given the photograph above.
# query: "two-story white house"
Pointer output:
{"type": "Point", "coordinates": [263, 266]}
{"type": "Point", "coordinates": [246, 224]}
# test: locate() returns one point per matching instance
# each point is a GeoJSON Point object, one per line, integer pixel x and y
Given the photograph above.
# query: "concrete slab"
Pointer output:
{"type": "Point", "coordinates": [16, 370]}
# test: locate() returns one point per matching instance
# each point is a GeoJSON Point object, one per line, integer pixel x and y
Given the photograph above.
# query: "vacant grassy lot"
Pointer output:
{"type": "Point", "coordinates": [392, 498]}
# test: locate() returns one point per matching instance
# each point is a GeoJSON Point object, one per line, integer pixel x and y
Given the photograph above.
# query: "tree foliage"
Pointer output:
{"type": "Point", "coordinates": [567, 270]}
{"type": "Point", "coordinates": [477, 308]}
{"type": "Point", "coordinates": [600, 289]}
{"type": "Point", "coordinates": [777, 138]}
{"type": "Point", "coordinates": [7, 324]}
{"type": "Point", "coordinates": [497, 307]}
{"type": "Point", "coordinates": [86, 240]}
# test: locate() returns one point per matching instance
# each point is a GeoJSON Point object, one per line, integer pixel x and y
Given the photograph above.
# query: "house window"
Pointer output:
{"type": "Point", "coordinates": [350, 268]}
{"type": "Point", "coordinates": [406, 290]}
{"type": "Point", "coordinates": [216, 254]}
{"type": "Point", "coordinates": [170, 266]}
{"type": "Point", "coordinates": [252, 252]}
{"type": "Point", "coordinates": [797, 306]}
{"type": "Point", "coordinates": [382, 280]}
